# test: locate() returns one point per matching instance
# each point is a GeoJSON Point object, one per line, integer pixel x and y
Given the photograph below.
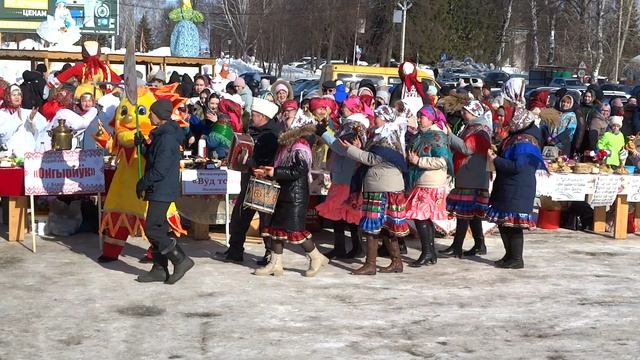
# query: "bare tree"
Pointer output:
{"type": "Point", "coordinates": [236, 13]}
{"type": "Point", "coordinates": [534, 32]}
{"type": "Point", "coordinates": [600, 5]}
{"type": "Point", "coordinates": [506, 19]}
{"type": "Point", "coordinates": [625, 6]}
{"type": "Point", "coordinates": [555, 8]}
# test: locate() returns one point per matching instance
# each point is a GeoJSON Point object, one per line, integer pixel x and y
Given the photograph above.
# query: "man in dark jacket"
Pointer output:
{"type": "Point", "coordinates": [265, 131]}
{"type": "Point", "coordinates": [160, 186]}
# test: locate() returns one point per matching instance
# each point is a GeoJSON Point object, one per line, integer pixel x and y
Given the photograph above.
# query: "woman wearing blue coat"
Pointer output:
{"type": "Point", "coordinates": [514, 189]}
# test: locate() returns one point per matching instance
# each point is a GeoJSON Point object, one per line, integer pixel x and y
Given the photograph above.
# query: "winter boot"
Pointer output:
{"type": "Point", "coordinates": [181, 264]}
{"type": "Point", "coordinates": [274, 267]}
{"type": "Point", "coordinates": [394, 251]}
{"type": "Point", "coordinates": [159, 271]}
{"type": "Point", "coordinates": [316, 261]}
{"type": "Point", "coordinates": [427, 246]}
{"type": "Point", "coordinates": [369, 267]}
{"type": "Point", "coordinates": [338, 242]}
{"type": "Point", "coordinates": [356, 242]}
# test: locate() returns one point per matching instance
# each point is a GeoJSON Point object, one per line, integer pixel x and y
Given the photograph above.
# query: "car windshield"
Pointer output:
{"type": "Point", "coordinates": [572, 82]}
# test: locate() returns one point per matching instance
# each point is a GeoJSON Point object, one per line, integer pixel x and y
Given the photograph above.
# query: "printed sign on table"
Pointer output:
{"type": "Point", "coordinates": [632, 184]}
{"type": "Point", "coordinates": [64, 172]}
{"type": "Point", "coordinates": [570, 187]}
{"type": "Point", "coordinates": [607, 189]}
{"type": "Point", "coordinates": [210, 182]}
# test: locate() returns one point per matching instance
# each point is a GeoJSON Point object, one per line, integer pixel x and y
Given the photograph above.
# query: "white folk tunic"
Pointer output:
{"type": "Point", "coordinates": [18, 134]}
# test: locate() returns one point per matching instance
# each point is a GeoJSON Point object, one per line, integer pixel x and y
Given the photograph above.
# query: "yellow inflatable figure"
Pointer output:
{"type": "Point", "coordinates": [124, 214]}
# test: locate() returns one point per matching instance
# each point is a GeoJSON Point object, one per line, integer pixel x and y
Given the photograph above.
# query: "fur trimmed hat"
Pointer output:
{"type": "Point", "coordinates": [264, 107]}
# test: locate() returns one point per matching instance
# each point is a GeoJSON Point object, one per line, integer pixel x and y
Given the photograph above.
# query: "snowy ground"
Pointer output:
{"type": "Point", "coordinates": [577, 298]}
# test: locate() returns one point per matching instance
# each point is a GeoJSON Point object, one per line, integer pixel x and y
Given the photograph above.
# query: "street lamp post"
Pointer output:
{"type": "Point", "coordinates": [404, 6]}
{"type": "Point", "coordinates": [229, 43]}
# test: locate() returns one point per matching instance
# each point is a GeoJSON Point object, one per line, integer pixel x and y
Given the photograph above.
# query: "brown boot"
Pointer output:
{"type": "Point", "coordinates": [369, 267]}
{"type": "Point", "coordinates": [394, 252]}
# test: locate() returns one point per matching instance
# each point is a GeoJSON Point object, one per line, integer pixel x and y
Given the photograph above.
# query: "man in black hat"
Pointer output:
{"type": "Point", "coordinates": [160, 187]}
{"type": "Point", "coordinates": [329, 87]}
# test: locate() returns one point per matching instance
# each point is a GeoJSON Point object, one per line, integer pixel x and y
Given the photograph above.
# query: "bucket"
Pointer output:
{"type": "Point", "coordinates": [549, 219]}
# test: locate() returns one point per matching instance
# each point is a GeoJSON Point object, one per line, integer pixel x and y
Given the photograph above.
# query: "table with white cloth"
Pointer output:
{"type": "Point", "coordinates": [206, 199]}
{"type": "Point", "coordinates": [599, 190]}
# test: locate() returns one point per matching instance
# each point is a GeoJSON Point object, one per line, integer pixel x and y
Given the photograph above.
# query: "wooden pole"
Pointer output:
{"type": "Point", "coordinates": [33, 223]}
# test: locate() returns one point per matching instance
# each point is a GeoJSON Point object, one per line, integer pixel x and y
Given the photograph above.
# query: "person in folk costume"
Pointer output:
{"type": "Point", "coordinates": [339, 206]}
{"type": "Point", "coordinates": [410, 90]}
{"type": "Point", "coordinates": [60, 99]}
{"type": "Point", "coordinates": [91, 69]}
{"type": "Point", "coordinates": [78, 121]}
{"type": "Point", "coordinates": [468, 201]}
{"type": "Point", "coordinates": [264, 130]}
{"type": "Point", "coordinates": [380, 179]}
{"type": "Point", "coordinates": [160, 187]}
{"type": "Point", "coordinates": [123, 213]}
{"type": "Point", "coordinates": [21, 130]}
{"type": "Point", "coordinates": [291, 170]}
{"type": "Point", "coordinates": [514, 189]}
{"type": "Point", "coordinates": [431, 164]}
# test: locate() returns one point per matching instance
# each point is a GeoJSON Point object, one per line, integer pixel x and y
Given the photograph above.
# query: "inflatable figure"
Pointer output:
{"type": "Point", "coordinates": [124, 214]}
{"type": "Point", "coordinates": [185, 39]}
{"type": "Point", "coordinates": [60, 28]}
{"type": "Point", "coordinates": [91, 69]}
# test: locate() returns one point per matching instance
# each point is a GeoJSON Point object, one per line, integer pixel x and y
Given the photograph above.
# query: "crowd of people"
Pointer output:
{"type": "Point", "coordinates": [401, 154]}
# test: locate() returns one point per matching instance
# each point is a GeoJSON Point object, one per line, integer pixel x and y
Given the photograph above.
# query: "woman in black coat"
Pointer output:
{"type": "Point", "coordinates": [514, 189]}
{"type": "Point", "coordinates": [291, 171]}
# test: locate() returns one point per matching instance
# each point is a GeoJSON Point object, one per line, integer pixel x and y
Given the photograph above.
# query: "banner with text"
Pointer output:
{"type": "Point", "coordinates": [210, 182]}
{"type": "Point", "coordinates": [64, 172]}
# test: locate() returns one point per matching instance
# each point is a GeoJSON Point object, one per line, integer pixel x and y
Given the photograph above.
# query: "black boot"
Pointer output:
{"type": "Point", "coordinates": [504, 235]}
{"type": "Point", "coordinates": [356, 243]}
{"type": "Point", "coordinates": [181, 264]}
{"type": "Point", "coordinates": [426, 236]}
{"type": "Point", "coordinates": [338, 242]}
{"type": "Point", "coordinates": [516, 243]}
{"type": "Point", "coordinates": [265, 259]}
{"type": "Point", "coordinates": [403, 247]}
{"type": "Point", "coordinates": [159, 271]}
{"type": "Point", "coordinates": [479, 247]}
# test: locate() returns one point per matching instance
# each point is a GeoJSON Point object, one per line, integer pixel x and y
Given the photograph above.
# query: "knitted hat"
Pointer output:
{"type": "Point", "coordinates": [329, 84]}
{"type": "Point", "coordinates": [383, 95]}
{"type": "Point", "coordinates": [239, 81]}
{"type": "Point", "coordinates": [264, 107]}
{"type": "Point", "coordinates": [163, 109]}
{"type": "Point", "coordinates": [281, 87]}
{"type": "Point", "coordinates": [616, 120]}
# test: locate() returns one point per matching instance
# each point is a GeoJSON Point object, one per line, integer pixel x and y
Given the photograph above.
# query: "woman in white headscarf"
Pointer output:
{"type": "Point", "coordinates": [21, 130]}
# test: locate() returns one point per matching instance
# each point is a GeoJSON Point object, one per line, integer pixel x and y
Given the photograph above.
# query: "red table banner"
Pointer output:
{"type": "Point", "coordinates": [64, 172]}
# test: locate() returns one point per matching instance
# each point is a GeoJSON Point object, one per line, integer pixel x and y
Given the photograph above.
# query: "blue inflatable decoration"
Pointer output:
{"type": "Point", "coordinates": [185, 39]}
